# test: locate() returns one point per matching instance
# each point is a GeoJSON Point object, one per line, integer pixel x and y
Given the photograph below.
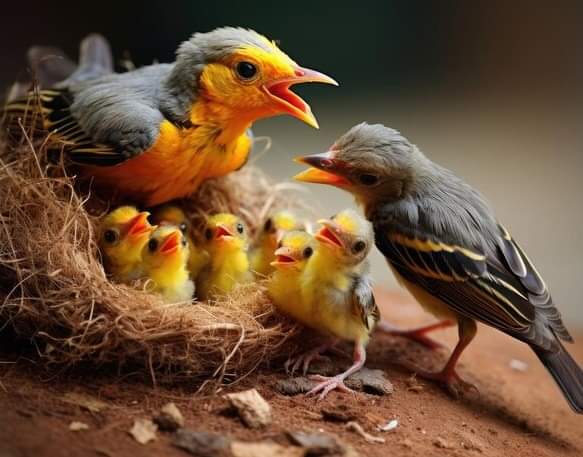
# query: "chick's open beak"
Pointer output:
{"type": "Point", "coordinates": [139, 225]}
{"type": "Point", "coordinates": [329, 234]}
{"type": "Point", "coordinates": [287, 102]}
{"type": "Point", "coordinates": [223, 232]}
{"type": "Point", "coordinates": [170, 243]}
{"type": "Point", "coordinates": [322, 171]}
{"type": "Point", "coordinates": [283, 257]}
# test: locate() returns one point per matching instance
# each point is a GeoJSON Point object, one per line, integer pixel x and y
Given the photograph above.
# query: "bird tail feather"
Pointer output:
{"type": "Point", "coordinates": [567, 374]}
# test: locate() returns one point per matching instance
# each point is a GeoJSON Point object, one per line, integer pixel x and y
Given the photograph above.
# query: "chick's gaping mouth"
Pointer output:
{"type": "Point", "coordinates": [327, 236]}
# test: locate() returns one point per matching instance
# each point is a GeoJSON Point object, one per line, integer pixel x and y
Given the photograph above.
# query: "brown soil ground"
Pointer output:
{"type": "Point", "coordinates": [516, 414]}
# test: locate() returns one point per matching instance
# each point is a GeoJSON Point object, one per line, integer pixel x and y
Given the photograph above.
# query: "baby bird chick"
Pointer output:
{"type": "Point", "coordinates": [122, 235]}
{"type": "Point", "coordinates": [173, 215]}
{"type": "Point", "coordinates": [336, 294]}
{"type": "Point", "coordinates": [273, 229]}
{"type": "Point", "coordinates": [226, 243]}
{"type": "Point", "coordinates": [165, 258]}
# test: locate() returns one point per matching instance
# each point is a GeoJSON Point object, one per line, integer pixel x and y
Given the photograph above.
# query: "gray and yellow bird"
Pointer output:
{"type": "Point", "coordinates": [156, 133]}
{"type": "Point", "coordinates": [444, 244]}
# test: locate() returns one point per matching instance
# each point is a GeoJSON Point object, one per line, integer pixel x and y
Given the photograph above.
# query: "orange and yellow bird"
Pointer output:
{"type": "Point", "coordinates": [156, 133]}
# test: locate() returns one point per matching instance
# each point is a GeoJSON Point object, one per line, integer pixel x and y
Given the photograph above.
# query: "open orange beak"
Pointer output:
{"type": "Point", "coordinates": [283, 257]}
{"type": "Point", "coordinates": [171, 243]}
{"type": "Point", "coordinates": [139, 225]}
{"type": "Point", "coordinates": [328, 234]}
{"type": "Point", "coordinates": [286, 101]}
{"type": "Point", "coordinates": [223, 233]}
{"type": "Point", "coordinates": [322, 171]}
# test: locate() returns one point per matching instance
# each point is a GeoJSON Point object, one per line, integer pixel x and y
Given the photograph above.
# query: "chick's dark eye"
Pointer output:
{"type": "Point", "coordinates": [240, 228]}
{"type": "Point", "coordinates": [110, 236]}
{"type": "Point", "coordinates": [246, 70]}
{"type": "Point", "coordinates": [359, 246]}
{"type": "Point", "coordinates": [153, 245]}
{"type": "Point", "coordinates": [368, 179]}
{"type": "Point", "coordinates": [268, 225]}
{"type": "Point", "coordinates": [308, 252]}
{"type": "Point", "coordinates": [183, 227]}
{"type": "Point", "coordinates": [208, 233]}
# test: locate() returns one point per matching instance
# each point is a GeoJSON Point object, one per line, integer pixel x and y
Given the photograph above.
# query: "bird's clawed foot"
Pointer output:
{"type": "Point", "coordinates": [304, 361]}
{"type": "Point", "coordinates": [454, 384]}
{"type": "Point", "coordinates": [328, 384]}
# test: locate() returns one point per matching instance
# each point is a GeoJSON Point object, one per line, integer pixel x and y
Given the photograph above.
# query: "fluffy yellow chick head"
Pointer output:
{"type": "Point", "coordinates": [171, 215]}
{"type": "Point", "coordinates": [123, 233]}
{"type": "Point", "coordinates": [347, 236]}
{"type": "Point", "coordinates": [294, 250]}
{"type": "Point", "coordinates": [225, 231]}
{"type": "Point", "coordinates": [276, 226]}
{"type": "Point", "coordinates": [248, 73]}
{"type": "Point", "coordinates": [166, 248]}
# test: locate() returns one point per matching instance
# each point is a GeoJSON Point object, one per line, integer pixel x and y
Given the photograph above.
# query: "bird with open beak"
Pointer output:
{"type": "Point", "coordinates": [275, 226]}
{"type": "Point", "coordinates": [335, 296]}
{"type": "Point", "coordinates": [165, 261]}
{"type": "Point", "coordinates": [444, 244]}
{"type": "Point", "coordinates": [122, 235]}
{"type": "Point", "coordinates": [156, 133]}
{"type": "Point", "coordinates": [226, 243]}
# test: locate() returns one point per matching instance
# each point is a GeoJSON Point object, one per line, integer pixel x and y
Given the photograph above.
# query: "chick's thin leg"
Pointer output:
{"type": "Point", "coordinates": [328, 384]}
{"type": "Point", "coordinates": [416, 334]}
{"type": "Point", "coordinates": [467, 329]}
{"type": "Point", "coordinates": [304, 360]}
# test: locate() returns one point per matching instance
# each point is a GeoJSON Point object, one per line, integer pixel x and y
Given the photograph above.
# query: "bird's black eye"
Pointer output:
{"type": "Point", "coordinates": [240, 228]}
{"type": "Point", "coordinates": [183, 227]}
{"type": "Point", "coordinates": [368, 179]}
{"type": "Point", "coordinates": [153, 245]}
{"type": "Point", "coordinates": [246, 70]}
{"type": "Point", "coordinates": [359, 246]}
{"type": "Point", "coordinates": [268, 225]}
{"type": "Point", "coordinates": [308, 252]}
{"type": "Point", "coordinates": [208, 233]}
{"type": "Point", "coordinates": [111, 236]}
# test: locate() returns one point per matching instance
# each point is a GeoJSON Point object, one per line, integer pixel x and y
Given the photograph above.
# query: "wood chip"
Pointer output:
{"type": "Point", "coordinates": [252, 408]}
{"type": "Point", "coordinates": [202, 444]}
{"type": "Point", "coordinates": [265, 449]}
{"type": "Point", "coordinates": [77, 426]}
{"type": "Point", "coordinates": [170, 418]}
{"type": "Point", "coordinates": [143, 431]}
{"type": "Point", "coordinates": [91, 404]}
{"type": "Point", "coordinates": [357, 428]}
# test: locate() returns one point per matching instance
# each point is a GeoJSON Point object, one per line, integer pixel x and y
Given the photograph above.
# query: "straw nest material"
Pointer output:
{"type": "Point", "coordinates": [54, 291]}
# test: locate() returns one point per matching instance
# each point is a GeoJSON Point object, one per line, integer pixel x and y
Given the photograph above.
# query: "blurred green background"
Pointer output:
{"type": "Point", "coordinates": [489, 89]}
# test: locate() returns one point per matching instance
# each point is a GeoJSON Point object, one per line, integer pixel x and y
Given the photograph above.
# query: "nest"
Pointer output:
{"type": "Point", "coordinates": [55, 292]}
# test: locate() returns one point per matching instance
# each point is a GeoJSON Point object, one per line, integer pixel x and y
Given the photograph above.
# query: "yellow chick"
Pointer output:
{"type": "Point", "coordinates": [226, 243]}
{"type": "Point", "coordinates": [165, 259]}
{"type": "Point", "coordinates": [122, 235]}
{"type": "Point", "coordinates": [336, 291]}
{"type": "Point", "coordinates": [273, 229]}
{"type": "Point", "coordinates": [173, 215]}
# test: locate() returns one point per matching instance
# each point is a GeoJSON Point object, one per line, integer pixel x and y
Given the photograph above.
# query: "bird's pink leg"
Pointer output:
{"type": "Point", "coordinates": [328, 384]}
{"type": "Point", "coordinates": [448, 375]}
{"type": "Point", "coordinates": [416, 334]}
{"type": "Point", "coordinates": [304, 360]}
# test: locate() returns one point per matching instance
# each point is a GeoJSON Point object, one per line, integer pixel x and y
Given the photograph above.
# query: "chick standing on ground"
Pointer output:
{"type": "Point", "coordinates": [226, 243]}
{"type": "Point", "coordinates": [165, 259]}
{"type": "Point", "coordinates": [122, 235]}
{"type": "Point", "coordinates": [335, 293]}
{"type": "Point", "coordinates": [443, 242]}
{"type": "Point", "coordinates": [273, 229]}
{"type": "Point", "coordinates": [173, 215]}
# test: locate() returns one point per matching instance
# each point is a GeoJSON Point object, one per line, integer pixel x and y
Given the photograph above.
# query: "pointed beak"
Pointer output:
{"type": "Point", "coordinates": [328, 234]}
{"type": "Point", "coordinates": [222, 233]}
{"type": "Point", "coordinates": [139, 225]}
{"type": "Point", "coordinates": [284, 257]}
{"type": "Point", "coordinates": [322, 171]}
{"type": "Point", "coordinates": [286, 101]}
{"type": "Point", "coordinates": [170, 243]}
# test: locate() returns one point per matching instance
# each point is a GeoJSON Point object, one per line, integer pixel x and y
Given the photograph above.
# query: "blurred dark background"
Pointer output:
{"type": "Point", "coordinates": [490, 89]}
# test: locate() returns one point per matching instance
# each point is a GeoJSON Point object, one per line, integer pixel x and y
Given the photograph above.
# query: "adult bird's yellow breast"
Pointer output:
{"type": "Point", "coordinates": [176, 164]}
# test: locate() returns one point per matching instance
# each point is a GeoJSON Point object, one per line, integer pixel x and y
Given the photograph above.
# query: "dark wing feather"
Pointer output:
{"type": "Point", "coordinates": [475, 284]}
{"type": "Point", "coordinates": [363, 302]}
